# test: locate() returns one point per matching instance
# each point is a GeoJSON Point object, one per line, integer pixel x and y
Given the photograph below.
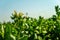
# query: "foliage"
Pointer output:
{"type": "Point", "coordinates": [28, 28]}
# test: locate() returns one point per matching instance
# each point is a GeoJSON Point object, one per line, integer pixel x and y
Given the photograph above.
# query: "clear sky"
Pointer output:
{"type": "Point", "coordinates": [34, 8]}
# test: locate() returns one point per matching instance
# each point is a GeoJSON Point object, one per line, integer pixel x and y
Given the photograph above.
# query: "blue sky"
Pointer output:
{"type": "Point", "coordinates": [35, 8]}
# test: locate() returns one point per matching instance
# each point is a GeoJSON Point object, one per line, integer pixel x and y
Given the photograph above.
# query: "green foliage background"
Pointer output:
{"type": "Point", "coordinates": [28, 28]}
